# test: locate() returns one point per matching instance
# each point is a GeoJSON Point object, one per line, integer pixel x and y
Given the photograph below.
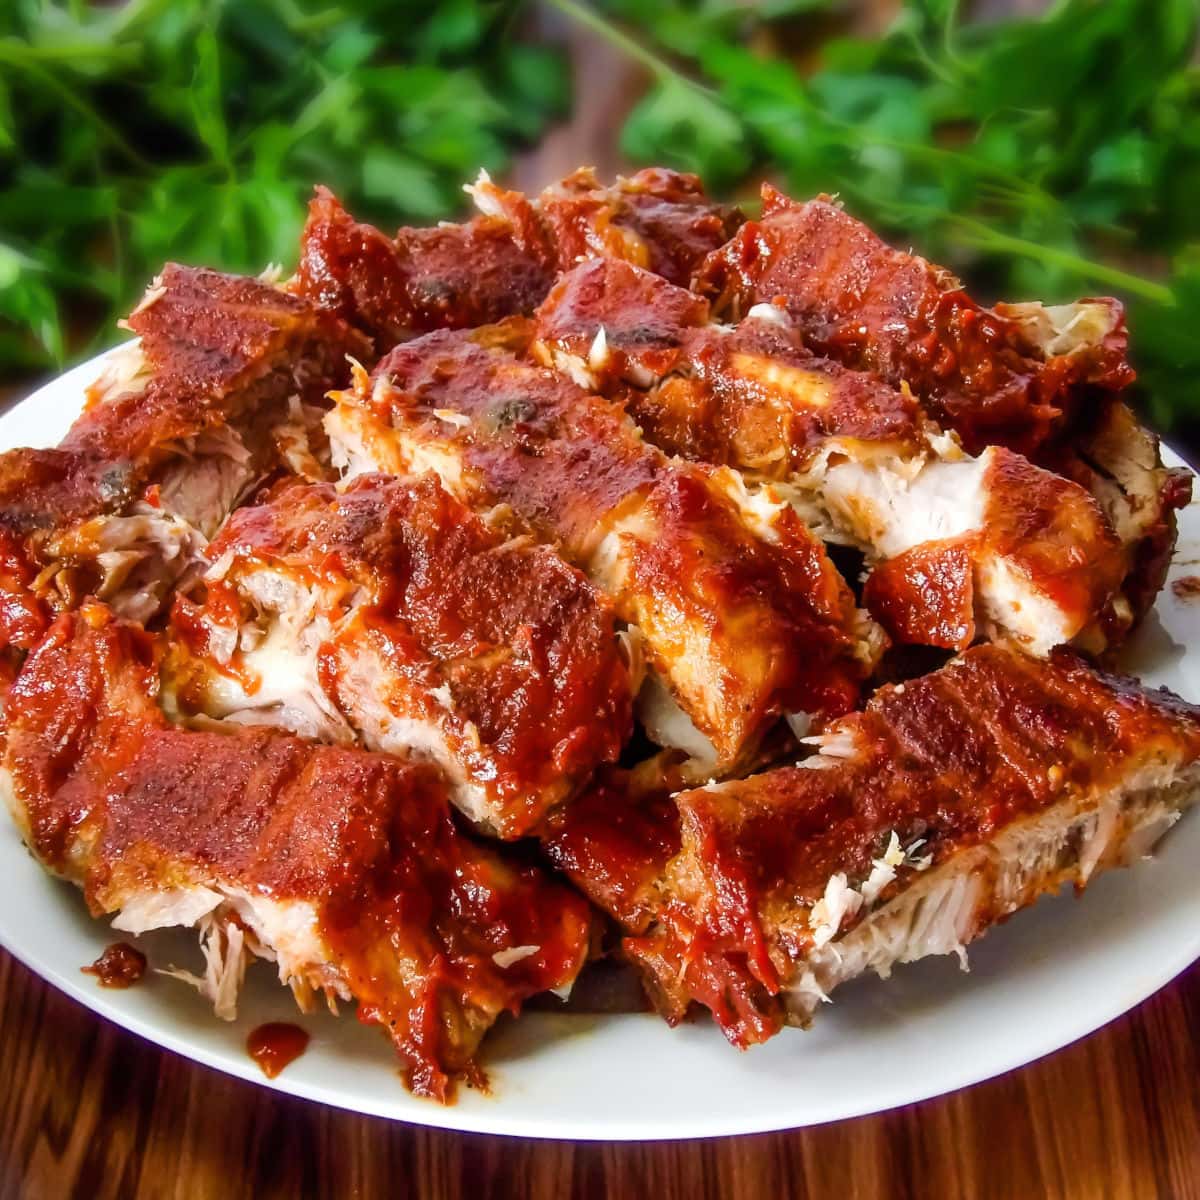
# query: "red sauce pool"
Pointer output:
{"type": "Point", "coordinates": [120, 966]}
{"type": "Point", "coordinates": [275, 1045]}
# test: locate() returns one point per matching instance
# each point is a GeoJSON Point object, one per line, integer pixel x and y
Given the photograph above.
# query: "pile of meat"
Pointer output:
{"type": "Point", "coordinates": [607, 577]}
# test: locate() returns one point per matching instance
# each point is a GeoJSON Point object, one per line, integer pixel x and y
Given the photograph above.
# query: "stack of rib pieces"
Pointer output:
{"type": "Point", "coordinates": [491, 599]}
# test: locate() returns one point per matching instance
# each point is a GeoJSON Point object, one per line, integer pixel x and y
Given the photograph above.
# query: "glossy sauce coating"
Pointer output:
{"type": "Point", "coordinates": [951, 758]}
{"type": "Point", "coordinates": [410, 913]}
{"type": "Point", "coordinates": [773, 403]}
{"type": "Point", "coordinates": [782, 615]}
{"type": "Point", "coordinates": [658, 219]}
{"type": "Point", "coordinates": [872, 307]}
{"type": "Point", "coordinates": [225, 356]}
{"type": "Point", "coordinates": [752, 397]}
{"type": "Point", "coordinates": [561, 459]}
{"type": "Point", "coordinates": [757, 398]}
{"type": "Point", "coordinates": [503, 263]}
{"type": "Point", "coordinates": [434, 932]}
{"type": "Point", "coordinates": [23, 616]}
{"type": "Point", "coordinates": [643, 318]}
{"type": "Point", "coordinates": [1056, 530]}
{"type": "Point", "coordinates": [926, 596]}
{"type": "Point", "coordinates": [446, 277]}
{"type": "Point", "coordinates": [213, 333]}
{"type": "Point", "coordinates": [763, 623]}
{"type": "Point", "coordinates": [1047, 531]}
{"type": "Point", "coordinates": [500, 643]}
{"type": "Point", "coordinates": [614, 842]}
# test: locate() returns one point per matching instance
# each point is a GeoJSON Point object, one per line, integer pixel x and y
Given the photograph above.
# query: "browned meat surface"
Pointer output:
{"type": "Point", "coordinates": [502, 262]}
{"type": "Point", "coordinates": [964, 546]}
{"type": "Point", "coordinates": [742, 614]}
{"type": "Point", "coordinates": [574, 525]}
{"type": "Point", "coordinates": [878, 309]}
{"type": "Point", "coordinates": [392, 613]}
{"type": "Point", "coordinates": [221, 390]}
{"type": "Point", "coordinates": [447, 277]}
{"type": "Point", "coordinates": [343, 867]}
{"type": "Point", "coordinates": [950, 802]}
{"type": "Point", "coordinates": [658, 219]}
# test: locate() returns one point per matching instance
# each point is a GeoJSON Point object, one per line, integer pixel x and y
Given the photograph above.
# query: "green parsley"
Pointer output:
{"type": "Point", "coordinates": [194, 130]}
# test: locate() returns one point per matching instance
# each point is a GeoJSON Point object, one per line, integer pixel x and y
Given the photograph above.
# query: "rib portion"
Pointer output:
{"type": "Point", "coordinates": [989, 544]}
{"type": "Point", "coordinates": [392, 614]}
{"type": "Point", "coordinates": [615, 841]}
{"type": "Point", "coordinates": [446, 277]}
{"type": "Point", "coordinates": [1119, 462]}
{"type": "Point", "coordinates": [342, 867]}
{"type": "Point", "coordinates": [503, 261]}
{"type": "Point", "coordinates": [1040, 380]}
{"type": "Point", "coordinates": [952, 801]}
{"type": "Point", "coordinates": [657, 219]}
{"type": "Point", "coordinates": [980, 371]}
{"type": "Point", "coordinates": [607, 322]}
{"type": "Point", "coordinates": [221, 389]}
{"type": "Point", "coordinates": [743, 617]}
{"type": "Point", "coordinates": [1107, 451]}
{"type": "Point", "coordinates": [1012, 549]}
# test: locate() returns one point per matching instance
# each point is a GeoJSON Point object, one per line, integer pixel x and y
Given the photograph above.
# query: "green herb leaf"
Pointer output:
{"type": "Point", "coordinates": [196, 129]}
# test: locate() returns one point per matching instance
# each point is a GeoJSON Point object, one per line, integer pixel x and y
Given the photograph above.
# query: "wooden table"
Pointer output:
{"type": "Point", "coordinates": [88, 1110]}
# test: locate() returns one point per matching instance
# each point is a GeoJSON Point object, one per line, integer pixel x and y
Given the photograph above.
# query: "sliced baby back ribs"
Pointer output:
{"type": "Point", "coordinates": [742, 614]}
{"type": "Point", "coordinates": [1044, 381]}
{"type": "Point", "coordinates": [657, 219]}
{"type": "Point", "coordinates": [875, 308]}
{"type": "Point", "coordinates": [966, 545]}
{"type": "Point", "coordinates": [390, 613]}
{"type": "Point", "coordinates": [222, 388]}
{"type": "Point", "coordinates": [502, 262]}
{"type": "Point", "coordinates": [444, 277]}
{"type": "Point", "coordinates": [952, 801]}
{"type": "Point", "coordinates": [343, 867]}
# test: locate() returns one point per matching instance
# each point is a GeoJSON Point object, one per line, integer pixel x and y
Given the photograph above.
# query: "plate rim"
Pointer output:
{"type": "Point", "coordinates": [495, 1119]}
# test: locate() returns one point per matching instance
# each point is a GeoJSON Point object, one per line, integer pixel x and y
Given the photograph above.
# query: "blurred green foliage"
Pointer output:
{"type": "Point", "coordinates": [194, 130]}
{"type": "Point", "coordinates": [1042, 157]}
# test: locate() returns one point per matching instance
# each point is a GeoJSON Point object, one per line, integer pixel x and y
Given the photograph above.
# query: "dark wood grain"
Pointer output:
{"type": "Point", "coordinates": [88, 1110]}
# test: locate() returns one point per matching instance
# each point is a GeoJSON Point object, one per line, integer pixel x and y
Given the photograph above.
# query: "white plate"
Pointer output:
{"type": "Point", "coordinates": [1049, 976]}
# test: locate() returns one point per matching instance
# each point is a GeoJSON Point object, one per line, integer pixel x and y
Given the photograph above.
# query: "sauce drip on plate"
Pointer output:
{"type": "Point", "coordinates": [120, 966]}
{"type": "Point", "coordinates": [273, 1046]}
